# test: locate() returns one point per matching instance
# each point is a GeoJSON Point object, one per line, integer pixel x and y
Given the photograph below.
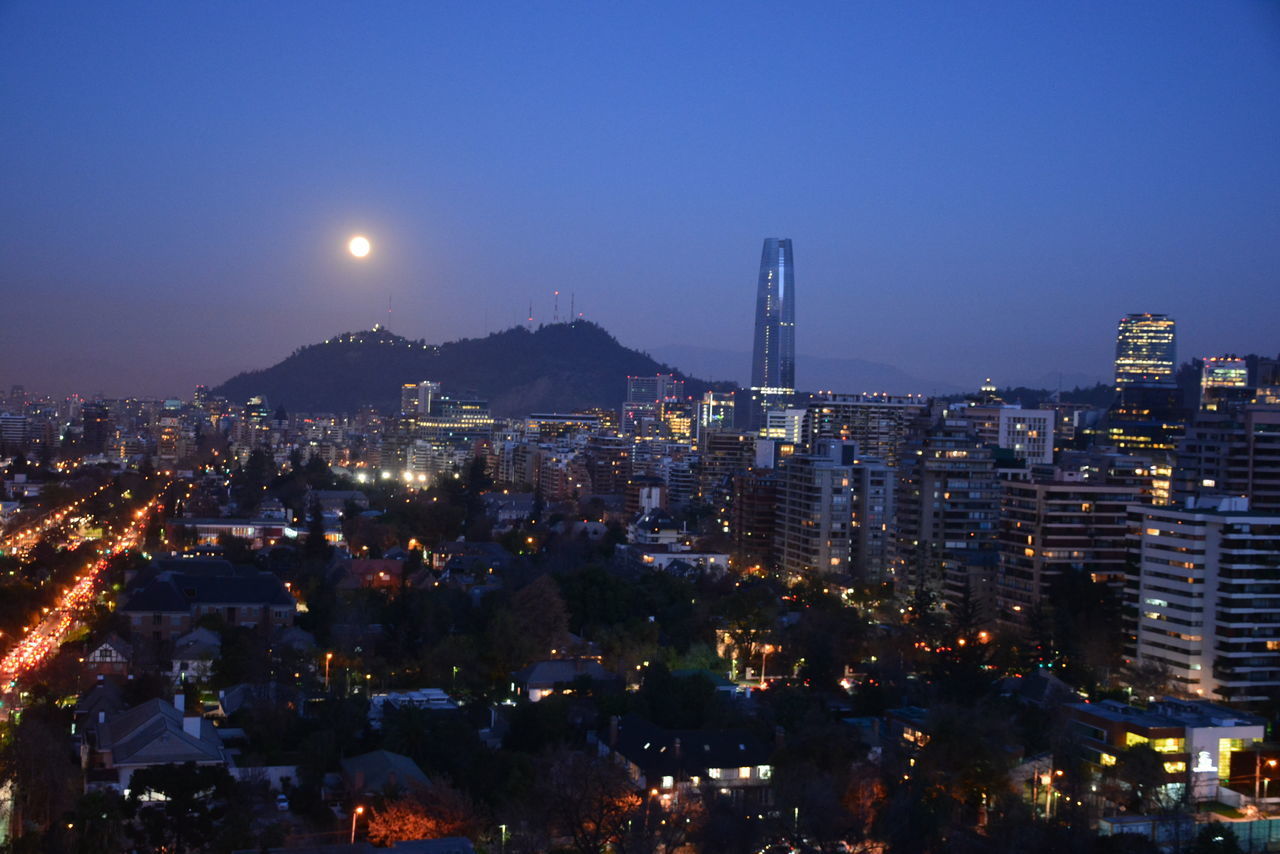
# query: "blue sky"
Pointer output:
{"type": "Point", "coordinates": [973, 189]}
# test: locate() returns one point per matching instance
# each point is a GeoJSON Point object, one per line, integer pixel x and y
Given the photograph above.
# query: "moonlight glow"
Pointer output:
{"type": "Point", "coordinates": [359, 246]}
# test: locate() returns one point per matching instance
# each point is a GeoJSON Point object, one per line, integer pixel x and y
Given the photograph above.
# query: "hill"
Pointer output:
{"type": "Point", "coordinates": [559, 367]}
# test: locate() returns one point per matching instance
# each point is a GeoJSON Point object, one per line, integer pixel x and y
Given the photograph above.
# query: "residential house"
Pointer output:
{"type": "Point", "coordinates": [154, 733]}
{"type": "Point", "coordinates": [733, 763]}
{"type": "Point", "coordinates": [170, 604]}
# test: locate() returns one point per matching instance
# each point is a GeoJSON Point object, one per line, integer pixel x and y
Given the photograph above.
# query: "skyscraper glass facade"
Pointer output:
{"type": "Point", "coordinates": [773, 359]}
{"type": "Point", "coordinates": [1145, 353]}
{"type": "Point", "coordinates": [773, 363]}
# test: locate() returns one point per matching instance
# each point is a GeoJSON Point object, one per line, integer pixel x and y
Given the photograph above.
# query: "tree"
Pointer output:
{"type": "Point", "coordinates": [195, 800]}
{"type": "Point", "coordinates": [1215, 838]}
{"type": "Point", "coordinates": [587, 798]}
{"type": "Point", "coordinates": [429, 812]}
{"type": "Point", "coordinates": [99, 822]}
{"type": "Point", "coordinates": [316, 546]}
{"type": "Point", "coordinates": [541, 616]}
{"type": "Point", "coordinates": [1140, 770]}
{"type": "Point", "coordinates": [36, 760]}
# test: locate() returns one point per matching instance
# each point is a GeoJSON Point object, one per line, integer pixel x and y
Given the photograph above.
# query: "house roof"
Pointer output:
{"type": "Point", "coordinates": [669, 752]}
{"type": "Point", "coordinates": [250, 694]}
{"type": "Point", "coordinates": [152, 734]}
{"type": "Point", "coordinates": [178, 591]}
{"type": "Point", "coordinates": [104, 697]}
{"type": "Point", "coordinates": [490, 551]}
{"type": "Point", "coordinates": [546, 674]}
{"type": "Point", "coordinates": [198, 643]}
{"type": "Point", "coordinates": [122, 647]}
{"type": "Point", "coordinates": [375, 771]}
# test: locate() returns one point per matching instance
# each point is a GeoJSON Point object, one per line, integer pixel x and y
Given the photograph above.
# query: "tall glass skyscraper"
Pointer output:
{"type": "Point", "coordinates": [1145, 353]}
{"type": "Point", "coordinates": [773, 359]}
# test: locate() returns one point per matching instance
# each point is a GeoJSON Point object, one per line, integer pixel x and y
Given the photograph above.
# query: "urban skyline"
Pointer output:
{"type": "Point", "coordinates": [401, 448]}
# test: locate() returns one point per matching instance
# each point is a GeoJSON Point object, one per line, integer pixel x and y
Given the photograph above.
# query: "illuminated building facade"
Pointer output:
{"type": "Point", "coordinates": [1207, 598]}
{"type": "Point", "coordinates": [948, 505]}
{"type": "Point", "coordinates": [416, 398]}
{"type": "Point", "coordinates": [648, 399]}
{"type": "Point", "coordinates": [813, 517]}
{"type": "Point", "coordinates": [1223, 380]}
{"type": "Point", "coordinates": [773, 358]}
{"type": "Point", "coordinates": [1234, 451]}
{"type": "Point", "coordinates": [879, 423]}
{"type": "Point", "coordinates": [1145, 351]}
{"type": "Point", "coordinates": [1068, 523]}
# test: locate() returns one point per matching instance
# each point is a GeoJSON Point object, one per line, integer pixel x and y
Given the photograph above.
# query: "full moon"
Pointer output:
{"type": "Point", "coordinates": [359, 246]}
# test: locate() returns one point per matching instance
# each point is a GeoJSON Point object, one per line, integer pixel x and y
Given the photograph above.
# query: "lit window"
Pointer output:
{"type": "Point", "coordinates": [744, 773]}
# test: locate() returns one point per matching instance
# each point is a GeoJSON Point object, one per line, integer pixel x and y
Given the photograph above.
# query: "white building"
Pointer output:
{"type": "Point", "coordinates": [1028, 433]}
{"type": "Point", "coordinates": [1208, 595]}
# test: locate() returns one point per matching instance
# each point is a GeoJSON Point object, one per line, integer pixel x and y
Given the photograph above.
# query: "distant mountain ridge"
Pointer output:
{"type": "Point", "coordinates": [559, 367]}
{"type": "Point", "coordinates": [812, 372]}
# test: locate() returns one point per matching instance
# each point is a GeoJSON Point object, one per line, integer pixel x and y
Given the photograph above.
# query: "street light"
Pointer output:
{"type": "Point", "coordinates": [1257, 769]}
{"type": "Point", "coordinates": [328, 659]}
{"type": "Point", "coordinates": [764, 659]}
{"type": "Point", "coordinates": [359, 811]}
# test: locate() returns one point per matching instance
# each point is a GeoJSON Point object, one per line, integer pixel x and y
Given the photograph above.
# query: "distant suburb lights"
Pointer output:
{"type": "Point", "coordinates": [359, 246]}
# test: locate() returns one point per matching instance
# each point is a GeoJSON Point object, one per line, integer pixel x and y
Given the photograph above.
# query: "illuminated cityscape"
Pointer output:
{"type": "Point", "coordinates": [410, 439]}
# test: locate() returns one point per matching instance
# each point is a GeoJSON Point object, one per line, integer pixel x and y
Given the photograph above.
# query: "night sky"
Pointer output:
{"type": "Point", "coordinates": [972, 189]}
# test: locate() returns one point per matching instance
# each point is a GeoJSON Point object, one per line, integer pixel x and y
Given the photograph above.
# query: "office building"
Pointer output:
{"type": "Point", "coordinates": [1224, 380]}
{"type": "Point", "coordinates": [1145, 350]}
{"type": "Point", "coordinates": [644, 411]}
{"type": "Point", "coordinates": [773, 358]}
{"type": "Point", "coordinates": [417, 398]}
{"type": "Point", "coordinates": [1146, 419]}
{"type": "Point", "coordinates": [715, 412]}
{"type": "Point", "coordinates": [1195, 740]}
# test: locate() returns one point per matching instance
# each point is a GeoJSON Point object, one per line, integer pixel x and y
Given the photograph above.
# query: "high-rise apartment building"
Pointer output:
{"type": "Point", "coordinates": [1028, 433]}
{"type": "Point", "coordinates": [96, 427]}
{"type": "Point", "coordinates": [773, 357]}
{"type": "Point", "coordinates": [1145, 351]}
{"type": "Point", "coordinates": [752, 518]}
{"type": "Point", "coordinates": [1065, 523]}
{"type": "Point", "coordinates": [811, 532]}
{"type": "Point", "coordinates": [872, 486]}
{"type": "Point", "coordinates": [1231, 452]}
{"type": "Point", "coordinates": [1207, 596]}
{"type": "Point", "coordinates": [948, 504]}
{"type": "Point", "coordinates": [880, 424]}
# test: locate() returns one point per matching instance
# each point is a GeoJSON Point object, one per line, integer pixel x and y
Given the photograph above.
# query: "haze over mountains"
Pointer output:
{"type": "Point", "coordinates": [857, 375]}
{"type": "Point", "coordinates": [557, 368]}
